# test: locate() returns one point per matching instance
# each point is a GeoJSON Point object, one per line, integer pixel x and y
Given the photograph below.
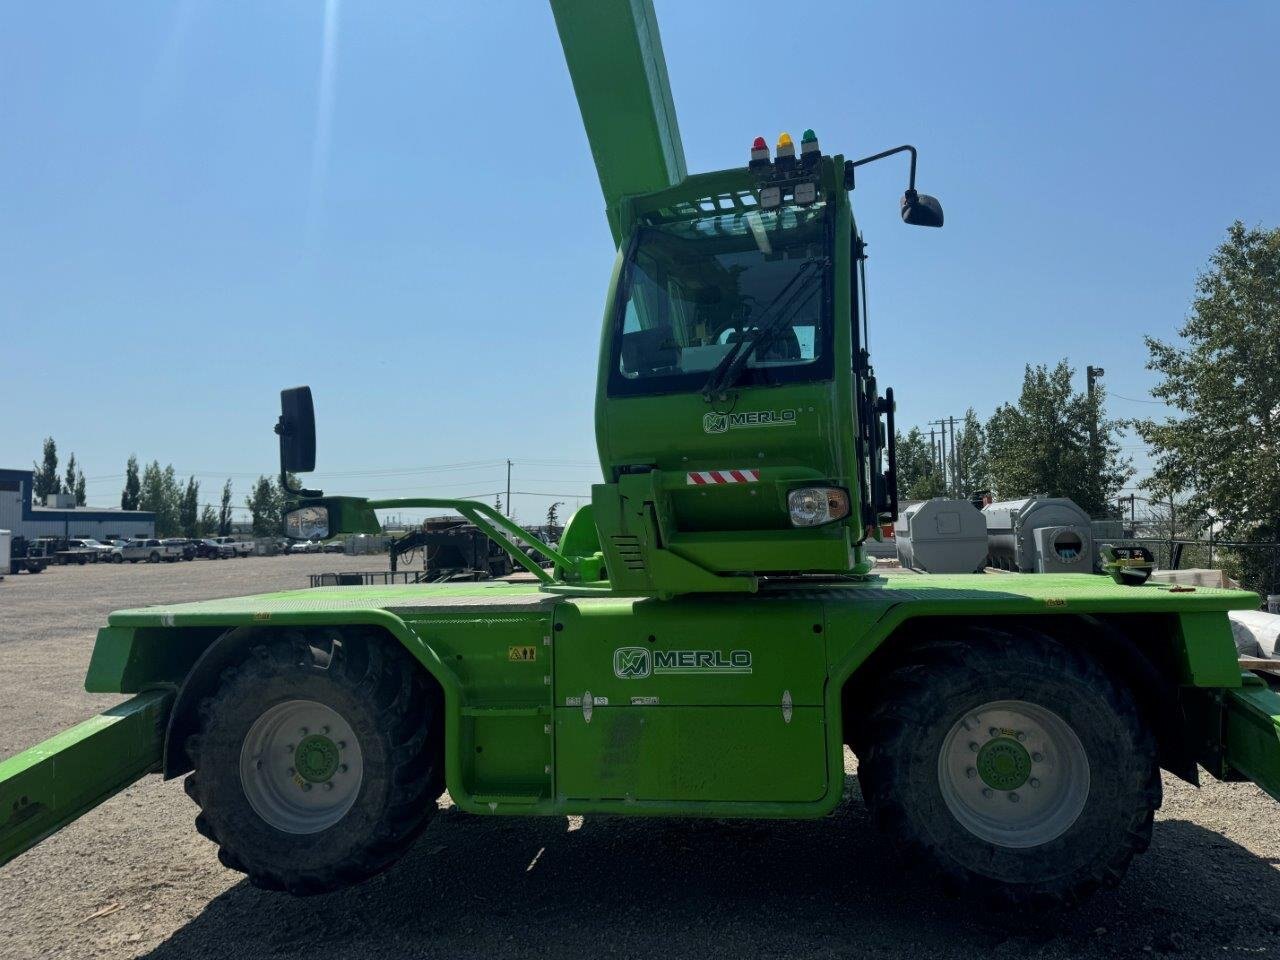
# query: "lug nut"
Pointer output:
{"type": "Point", "coordinates": [306, 786]}
{"type": "Point", "coordinates": [994, 732]}
{"type": "Point", "coordinates": [971, 773]}
{"type": "Point", "coordinates": [291, 771]}
{"type": "Point", "coordinates": [342, 768]}
{"type": "Point", "coordinates": [325, 731]}
{"type": "Point", "coordinates": [303, 732]}
{"type": "Point", "coordinates": [1021, 737]}
{"type": "Point", "coordinates": [342, 744]}
{"type": "Point", "coordinates": [328, 786]}
{"type": "Point", "coordinates": [288, 748]}
{"type": "Point", "coordinates": [986, 792]}
{"type": "Point", "coordinates": [1037, 757]}
{"type": "Point", "coordinates": [973, 746]}
{"type": "Point", "coordinates": [1014, 798]}
{"type": "Point", "coordinates": [1035, 782]}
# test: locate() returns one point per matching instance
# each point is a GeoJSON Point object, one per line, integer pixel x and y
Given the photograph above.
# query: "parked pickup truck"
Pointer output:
{"type": "Point", "coordinates": [243, 548]}
{"type": "Point", "coordinates": [153, 551]}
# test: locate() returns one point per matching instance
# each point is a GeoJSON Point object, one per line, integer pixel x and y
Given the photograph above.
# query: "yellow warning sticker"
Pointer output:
{"type": "Point", "coordinates": [1054, 602]}
{"type": "Point", "coordinates": [262, 616]}
{"type": "Point", "coordinates": [522, 654]}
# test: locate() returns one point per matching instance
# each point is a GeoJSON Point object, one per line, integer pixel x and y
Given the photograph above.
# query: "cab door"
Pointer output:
{"type": "Point", "coordinates": [690, 700]}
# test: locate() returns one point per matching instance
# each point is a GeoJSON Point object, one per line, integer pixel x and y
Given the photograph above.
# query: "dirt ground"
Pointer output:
{"type": "Point", "coordinates": [133, 878]}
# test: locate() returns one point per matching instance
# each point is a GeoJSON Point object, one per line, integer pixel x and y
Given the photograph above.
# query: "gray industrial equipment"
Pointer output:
{"type": "Point", "coordinates": [1039, 535]}
{"type": "Point", "coordinates": [941, 536]}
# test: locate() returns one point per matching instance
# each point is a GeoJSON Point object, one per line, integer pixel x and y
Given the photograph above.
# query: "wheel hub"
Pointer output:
{"type": "Point", "coordinates": [301, 766]}
{"type": "Point", "coordinates": [1004, 764]}
{"type": "Point", "coordinates": [1013, 773]}
{"type": "Point", "coordinates": [316, 758]}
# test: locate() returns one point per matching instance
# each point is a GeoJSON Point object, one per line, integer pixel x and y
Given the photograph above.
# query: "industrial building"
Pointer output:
{"type": "Point", "coordinates": [59, 517]}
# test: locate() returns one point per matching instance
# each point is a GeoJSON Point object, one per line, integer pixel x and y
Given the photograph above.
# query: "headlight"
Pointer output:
{"type": "Point", "coordinates": [814, 506]}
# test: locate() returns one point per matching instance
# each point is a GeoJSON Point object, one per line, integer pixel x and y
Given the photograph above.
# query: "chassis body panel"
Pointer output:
{"type": "Point", "coordinates": [698, 705]}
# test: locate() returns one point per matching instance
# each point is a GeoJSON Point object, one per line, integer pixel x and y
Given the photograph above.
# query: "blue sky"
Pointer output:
{"type": "Point", "coordinates": [203, 202]}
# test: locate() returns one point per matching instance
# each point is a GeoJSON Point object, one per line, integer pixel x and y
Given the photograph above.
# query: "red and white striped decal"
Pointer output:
{"type": "Point", "coordinates": [710, 477]}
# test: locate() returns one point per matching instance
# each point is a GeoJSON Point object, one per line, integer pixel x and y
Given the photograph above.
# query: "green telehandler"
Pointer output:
{"type": "Point", "coordinates": [708, 636]}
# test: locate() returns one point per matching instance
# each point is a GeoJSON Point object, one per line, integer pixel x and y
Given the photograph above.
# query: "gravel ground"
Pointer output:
{"type": "Point", "coordinates": [132, 878]}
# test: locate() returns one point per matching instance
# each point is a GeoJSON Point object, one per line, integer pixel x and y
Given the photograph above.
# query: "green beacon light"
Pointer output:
{"type": "Point", "coordinates": [810, 153]}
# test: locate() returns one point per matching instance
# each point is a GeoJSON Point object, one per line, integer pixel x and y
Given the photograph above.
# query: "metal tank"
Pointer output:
{"type": "Point", "coordinates": [941, 536]}
{"type": "Point", "coordinates": [1039, 535]}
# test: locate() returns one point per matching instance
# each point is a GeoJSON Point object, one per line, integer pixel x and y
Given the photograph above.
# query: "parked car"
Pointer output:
{"type": "Point", "coordinates": [186, 547]}
{"type": "Point", "coordinates": [102, 551]}
{"type": "Point", "coordinates": [333, 546]}
{"type": "Point", "coordinates": [304, 546]}
{"type": "Point", "coordinates": [210, 549]}
{"type": "Point", "coordinates": [243, 548]}
{"type": "Point", "coordinates": [152, 551]}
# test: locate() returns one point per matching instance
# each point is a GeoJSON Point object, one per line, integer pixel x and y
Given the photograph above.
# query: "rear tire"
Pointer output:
{"type": "Point", "coordinates": [350, 794]}
{"type": "Point", "coordinates": [1014, 763]}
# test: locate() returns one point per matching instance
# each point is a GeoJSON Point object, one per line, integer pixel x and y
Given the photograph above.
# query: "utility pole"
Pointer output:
{"type": "Point", "coordinates": [955, 461]}
{"type": "Point", "coordinates": [948, 464]}
{"type": "Point", "coordinates": [1091, 375]}
{"type": "Point", "coordinates": [508, 488]}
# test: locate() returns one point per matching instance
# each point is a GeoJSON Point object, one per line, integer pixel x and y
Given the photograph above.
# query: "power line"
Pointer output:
{"type": "Point", "coordinates": [1138, 399]}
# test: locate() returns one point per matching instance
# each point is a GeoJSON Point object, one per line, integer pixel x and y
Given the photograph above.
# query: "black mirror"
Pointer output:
{"type": "Point", "coordinates": [297, 430]}
{"type": "Point", "coordinates": [921, 210]}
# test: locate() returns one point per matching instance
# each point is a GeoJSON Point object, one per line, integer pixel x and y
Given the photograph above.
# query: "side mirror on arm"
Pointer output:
{"type": "Point", "coordinates": [297, 430]}
{"type": "Point", "coordinates": [921, 210]}
{"type": "Point", "coordinates": [329, 517]}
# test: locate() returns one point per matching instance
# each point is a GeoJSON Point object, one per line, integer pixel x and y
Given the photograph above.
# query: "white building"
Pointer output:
{"type": "Point", "coordinates": [63, 519]}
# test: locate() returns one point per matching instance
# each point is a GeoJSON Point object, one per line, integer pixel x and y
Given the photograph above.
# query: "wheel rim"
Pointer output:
{"type": "Point", "coordinates": [301, 766]}
{"type": "Point", "coordinates": [1013, 773]}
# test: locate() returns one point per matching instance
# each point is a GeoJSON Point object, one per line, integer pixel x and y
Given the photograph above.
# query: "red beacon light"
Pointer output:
{"type": "Point", "coordinates": [759, 154]}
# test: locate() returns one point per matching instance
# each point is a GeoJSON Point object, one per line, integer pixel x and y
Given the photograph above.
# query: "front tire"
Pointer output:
{"type": "Point", "coordinates": [319, 760]}
{"type": "Point", "coordinates": [1014, 763]}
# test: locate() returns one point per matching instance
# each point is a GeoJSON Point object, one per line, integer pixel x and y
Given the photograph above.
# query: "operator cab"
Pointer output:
{"type": "Point", "coordinates": [737, 419]}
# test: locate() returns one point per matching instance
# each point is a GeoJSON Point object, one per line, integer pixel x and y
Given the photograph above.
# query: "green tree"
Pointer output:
{"type": "Point", "coordinates": [80, 491]}
{"type": "Point", "coordinates": [45, 480]}
{"type": "Point", "coordinates": [553, 515]}
{"type": "Point", "coordinates": [208, 523]}
{"type": "Point", "coordinates": [189, 512]}
{"type": "Point", "coordinates": [970, 459]}
{"type": "Point", "coordinates": [264, 505]}
{"type": "Point", "coordinates": [918, 474]}
{"type": "Point", "coordinates": [1042, 445]}
{"type": "Point", "coordinates": [1221, 445]}
{"type": "Point", "coordinates": [69, 481]}
{"type": "Point", "coordinates": [224, 510]}
{"type": "Point", "coordinates": [129, 497]}
{"type": "Point", "coordinates": [161, 495]}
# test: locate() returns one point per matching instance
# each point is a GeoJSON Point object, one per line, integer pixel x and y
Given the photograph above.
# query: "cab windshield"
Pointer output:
{"type": "Point", "coordinates": [696, 291]}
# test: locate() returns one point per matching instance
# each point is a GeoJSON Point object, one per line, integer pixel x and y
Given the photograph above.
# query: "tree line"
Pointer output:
{"type": "Point", "coordinates": [176, 505]}
{"type": "Point", "coordinates": [1216, 451]}
{"type": "Point", "coordinates": [1051, 440]}
{"type": "Point", "coordinates": [45, 479]}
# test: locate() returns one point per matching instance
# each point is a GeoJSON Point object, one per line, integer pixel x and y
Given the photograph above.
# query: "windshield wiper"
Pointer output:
{"type": "Point", "coordinates": [726, 372]}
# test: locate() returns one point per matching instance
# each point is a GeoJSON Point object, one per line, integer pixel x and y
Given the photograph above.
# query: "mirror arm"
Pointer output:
{"type": "Point", "coordinates": [849, 165]}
